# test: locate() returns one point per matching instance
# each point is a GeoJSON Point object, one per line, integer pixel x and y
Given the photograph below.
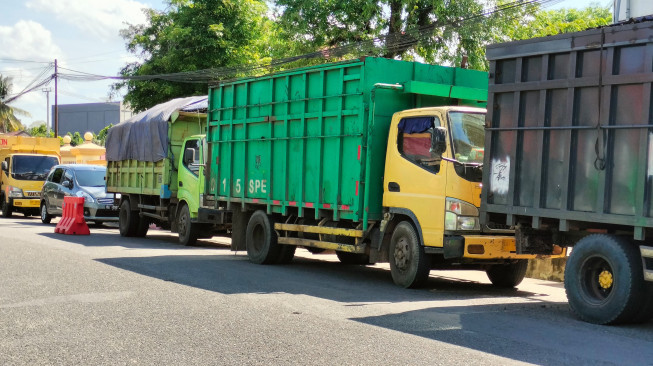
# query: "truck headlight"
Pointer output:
{"type": "Point", "coordinates": [460, 215]}
{"type": "Point", "coordinates": [87, 197]}
{"type": "Point", "coordinates": [14, 192]}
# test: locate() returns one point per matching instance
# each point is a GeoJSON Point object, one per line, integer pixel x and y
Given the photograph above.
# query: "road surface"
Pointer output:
{"type": "Point", "coordinates": [107, 300]}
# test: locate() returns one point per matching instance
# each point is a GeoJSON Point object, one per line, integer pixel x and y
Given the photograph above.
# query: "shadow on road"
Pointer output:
{"type": "Point", "coordinates": [535, 333]}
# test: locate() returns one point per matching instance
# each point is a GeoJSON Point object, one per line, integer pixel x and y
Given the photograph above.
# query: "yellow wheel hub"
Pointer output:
{"type": "Point", "coordinates": [605, 279]}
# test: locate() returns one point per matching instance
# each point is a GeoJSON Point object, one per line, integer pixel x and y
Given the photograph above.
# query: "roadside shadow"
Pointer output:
{"type": "Point", "coordinates": [536, 333]}
{"type": "Point", "coordinates": [100, 238]}
{"type": "Point", "coordinates": [234, 274]}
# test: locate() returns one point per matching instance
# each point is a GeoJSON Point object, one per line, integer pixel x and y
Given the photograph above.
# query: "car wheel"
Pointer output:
{"type": "Point", "coordinates": [45, 216]}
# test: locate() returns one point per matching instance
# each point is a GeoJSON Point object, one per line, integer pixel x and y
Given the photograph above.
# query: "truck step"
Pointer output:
{"type": "Point", "coordinates": [158, 217]}
{"type": "Point", "coordinates": [322, 244]}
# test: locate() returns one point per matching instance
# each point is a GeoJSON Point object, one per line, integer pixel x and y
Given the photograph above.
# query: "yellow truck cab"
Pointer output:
{"type": "Point", "coordinates": [432, 181]}
{"type": "Point", "coordinates": [25, 163]}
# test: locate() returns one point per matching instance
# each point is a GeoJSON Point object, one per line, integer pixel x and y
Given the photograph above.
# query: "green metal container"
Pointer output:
{"type": "Point", "coordinates": [314, 139]}
{"type": "Point", "coordinates": [156, 178]}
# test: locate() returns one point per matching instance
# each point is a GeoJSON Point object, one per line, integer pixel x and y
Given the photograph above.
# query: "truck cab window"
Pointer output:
{"type": "Point", "coordinates": [414, 142]}
{"type": "Point", "coordinates": [194, 165]}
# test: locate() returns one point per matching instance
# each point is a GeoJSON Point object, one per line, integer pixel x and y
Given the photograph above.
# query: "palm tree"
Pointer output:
{"type": "Point", "coordinates": [8, 120]}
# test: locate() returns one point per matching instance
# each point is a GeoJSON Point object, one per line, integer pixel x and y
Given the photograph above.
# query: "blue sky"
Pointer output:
{"type": "Point", "coordinates": [82, 35]}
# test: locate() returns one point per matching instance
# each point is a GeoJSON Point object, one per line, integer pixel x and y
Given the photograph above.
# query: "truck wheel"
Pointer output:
{"type": "Point", "coordinates": [507, 275]}
{"type": "Point", "coordinates": [353, 258]}
{"type": "Point", "coordinates": [127, 219]}
{"type": "Point", "coordinates": [261, 239]}
{"type": "Point", "coordinates": [286, 253]}
{"type": "Point", "coordinates": [187, 230]}
{"type": "Point", "coordinates": [409, 265]}
{"type": "Point", "coordinates": [45, 216]}
{"type": "Point", "coordinates": [142, 227]}
{"type": "Point", "coordinates": [6, 208]}
{"type": "Point", "coordinates": [604, 280]}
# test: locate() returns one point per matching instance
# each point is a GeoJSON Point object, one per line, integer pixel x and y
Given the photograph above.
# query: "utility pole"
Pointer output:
{"type": "Point", "coordinates": [56, 104]}
{"type": "Point", "coordinates": [47, 109]}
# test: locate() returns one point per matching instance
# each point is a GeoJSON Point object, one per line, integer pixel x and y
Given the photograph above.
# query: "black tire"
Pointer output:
{"type": "Point", "coordinates": [188, 231]}
{"type": "Point", "coordinates": [142, 227]}
{"type": "Point", "coordinates": [46, 218]}
{"type": "Point", "coordinates": [353, 258]}
{"type": "Point", "coordinates": [409, 265]}
{"type": "Point", "coordinates": [286, 253]}
{"type": "Point", "coordinates": [6, 208]}
{"type": "Point", "coordinates": [604, 280]}
{"type": "Point", "coordinates": [507, 275]}
{"type": "Point", "coordinates": [127, 220]}
{"type": "Point", "coordinates": [261, 239]}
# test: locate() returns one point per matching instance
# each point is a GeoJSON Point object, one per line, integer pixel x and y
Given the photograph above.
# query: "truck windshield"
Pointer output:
{"type": "Point", "coordinates": [90, 178]}
{"type": "Point", "coordinates": [32, 167]}
{"type": "Point", "coordinates": [468, 133]}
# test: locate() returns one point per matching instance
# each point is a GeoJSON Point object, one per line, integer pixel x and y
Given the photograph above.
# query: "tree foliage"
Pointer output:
{"type": "Point", "coordinates": [191, 35]}
{"type": "Point", "coordinates": [551, 22]}
{"type": "Point", "coordinates": [40, 131]}
{"type": "Point", "coordinates": [8, 120]}
{"type": "Point", "coordinates": [438, 31]}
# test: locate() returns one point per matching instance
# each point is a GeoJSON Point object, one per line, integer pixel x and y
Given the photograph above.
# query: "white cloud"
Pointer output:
{"type": "Point", "coordinates": [101, 18]}
{"type": "Point", "coordinates": [27, 40]}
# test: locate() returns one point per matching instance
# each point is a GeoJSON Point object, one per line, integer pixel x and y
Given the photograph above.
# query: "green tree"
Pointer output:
{"type": "Point", "coordinates": [101, 137]}
{"type": "Point", "coordinates": [40, 131]}
{"type": "Point", "coordinates": [8, 120]}
{"type": "Point", "coordinates": [437, 31]}
{"type": "Point", "coordinates": [551, 22]}
{"type": "Point", "coordinates": [191, 35]}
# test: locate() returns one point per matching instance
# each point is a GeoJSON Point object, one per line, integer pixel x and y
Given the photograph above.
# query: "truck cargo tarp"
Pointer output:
{"type": "Point", "coordinates": [144, 136]}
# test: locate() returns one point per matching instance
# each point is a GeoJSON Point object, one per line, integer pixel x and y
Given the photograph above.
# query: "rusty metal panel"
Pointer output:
{"type": "Point", "coordinates": [569, 131]}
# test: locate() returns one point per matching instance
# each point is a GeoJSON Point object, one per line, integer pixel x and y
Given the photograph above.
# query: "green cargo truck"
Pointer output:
{"type": "Point", "coordinates": [154, 164]}
{"type": "Point", "coordinates": [336, 157]}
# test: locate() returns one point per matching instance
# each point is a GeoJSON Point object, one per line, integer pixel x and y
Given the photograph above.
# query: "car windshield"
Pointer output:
{"type": "Point", "coordinates": [468, 133]}
{"type": "Point", "coordinates": [90, 178]}
{"type": "Point", "coordinates": [32, 167]}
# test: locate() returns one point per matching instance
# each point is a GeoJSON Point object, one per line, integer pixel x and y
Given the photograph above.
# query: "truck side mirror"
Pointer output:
{"type": "Point", "coordinates": [439, 141]}
{"type": "Point", "coordinates": [5, 167]}
{"type": "Point", "coordinates": [189, 156]}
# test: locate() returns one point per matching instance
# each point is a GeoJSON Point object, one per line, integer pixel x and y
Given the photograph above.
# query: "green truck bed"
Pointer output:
{"type": "Point", "coordinates": [156, 178]}
{"type": "Point", "coordinates": [315, 138]}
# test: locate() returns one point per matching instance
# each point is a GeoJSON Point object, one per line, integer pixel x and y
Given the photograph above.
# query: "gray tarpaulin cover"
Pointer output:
{"type": "Point", "coordinates": [144, 136]}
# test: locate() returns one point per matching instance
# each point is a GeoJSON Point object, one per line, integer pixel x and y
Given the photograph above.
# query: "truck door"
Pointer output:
{"type": "Point", "coordinates": [414, 180]}
{"type": "Point", "coordinates": [189, 175]}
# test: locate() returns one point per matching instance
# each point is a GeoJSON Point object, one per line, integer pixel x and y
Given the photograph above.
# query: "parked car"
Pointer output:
{"type": "Point", "coordinates": [78, 180]}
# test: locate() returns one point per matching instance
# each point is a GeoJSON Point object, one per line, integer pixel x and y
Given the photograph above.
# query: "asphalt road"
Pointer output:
{"type": "Point", "coordinates": [106, 300]}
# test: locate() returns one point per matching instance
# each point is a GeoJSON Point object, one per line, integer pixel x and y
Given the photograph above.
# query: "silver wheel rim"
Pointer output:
{"type": "Point", "coordinates": [44, 212]}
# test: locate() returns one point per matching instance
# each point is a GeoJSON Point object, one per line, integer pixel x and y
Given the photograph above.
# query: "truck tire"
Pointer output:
{"type": "Point", "coordinates": [45, 216]}
{"type": "Point", "coordinates": [127, 220]}
{"type": "Point", "coordinates": [353, 258]}
{"type": "Point", "coordinates": [188, 231]}
{"type": "Point", "coordinates": [142, 227]}
{"type": "Point", "coordinates": [507, 275]}
{"type": "Point", "coordinates": [6, 208]}
{"type": "Point", "coordinates": [261, 239]}
{"type": "Point", "coordinates": [409, 265]}
{"type": "Point", "coordinates": [286, 253]}
{"type": "Point", "coordinates": [604, 280]}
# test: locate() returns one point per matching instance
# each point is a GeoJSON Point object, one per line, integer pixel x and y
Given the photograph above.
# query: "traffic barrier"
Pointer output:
{"type": "Point", "coordinates": [72, 218]}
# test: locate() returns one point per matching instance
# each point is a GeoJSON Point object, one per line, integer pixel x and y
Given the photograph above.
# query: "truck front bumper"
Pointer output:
{"type": "Point", "coordinates": [491, 247]}
{"type": "Point", "coordinates": [25, 202]}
